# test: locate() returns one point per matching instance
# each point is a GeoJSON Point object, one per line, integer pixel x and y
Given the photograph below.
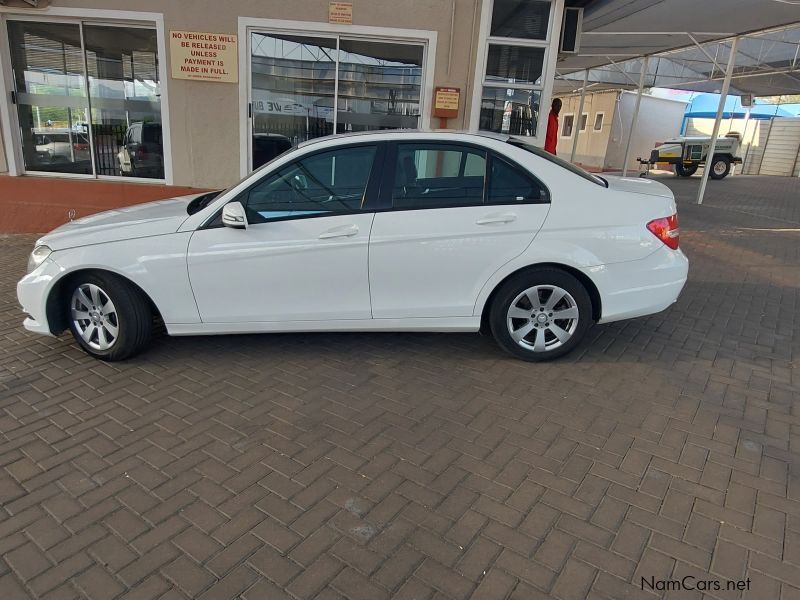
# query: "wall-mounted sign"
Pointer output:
{"type": "Point", "coordinates": [204, 56]}
{"type": "Point", "coordinates": [445, 102]}
{"type": "Point", "coordinates": [340, 12]}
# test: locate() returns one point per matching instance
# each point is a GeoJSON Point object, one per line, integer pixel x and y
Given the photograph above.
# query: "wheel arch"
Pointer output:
{"type": "Point", "coordinates": [588, 284]}
{"type": "Point", "coordinates": [56, 315]}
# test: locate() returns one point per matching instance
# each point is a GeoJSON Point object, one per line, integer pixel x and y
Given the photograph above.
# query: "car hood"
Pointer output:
{"type": "Point", "coordinates": [137, 221]}
{"type": "Point", "coordinates": [638, 185]}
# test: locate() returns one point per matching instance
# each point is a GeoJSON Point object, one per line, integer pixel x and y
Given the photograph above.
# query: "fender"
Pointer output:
{"type": "Point", "coordinates": [159, 270]}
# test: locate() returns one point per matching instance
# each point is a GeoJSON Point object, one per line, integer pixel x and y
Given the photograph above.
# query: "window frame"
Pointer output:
{"type": "Point", "coordinates": [564, 124]}
{"type": "Point", "coordinates": [9, 118]}
{"type": "Point", "coordinates": [368, 200]}
{"type": "Point", "coordinates": [544, 89]}
{"type": "Point", "coordinates": [583, 125]}
{"type": "Point", "coordinates": [602, 115]}
{"type": "Point", "coordinates": [385, 202]}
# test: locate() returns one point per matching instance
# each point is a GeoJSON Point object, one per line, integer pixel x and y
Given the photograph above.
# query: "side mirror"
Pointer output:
{"type": "Point", "coordinates": [233, 215]}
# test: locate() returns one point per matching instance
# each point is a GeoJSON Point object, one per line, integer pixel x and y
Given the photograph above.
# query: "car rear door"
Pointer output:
{"type": "Point", "coordinates": [454, 214]}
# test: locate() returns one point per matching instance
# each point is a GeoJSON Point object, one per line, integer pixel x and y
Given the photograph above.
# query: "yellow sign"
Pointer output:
{"type": "Point", "coordinates": [204, 56]}
{"type": "Point", "coordinates": [340, 12]}
{"type": "Point", "coordinates": [447, 99]}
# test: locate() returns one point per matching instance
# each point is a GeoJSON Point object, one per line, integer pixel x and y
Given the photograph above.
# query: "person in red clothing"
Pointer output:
{"type": "Point", "coordinates": [551, 138]}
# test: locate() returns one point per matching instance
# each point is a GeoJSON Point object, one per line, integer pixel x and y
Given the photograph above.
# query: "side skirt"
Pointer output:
{"type": "Point", "coordinates": [452, 324]}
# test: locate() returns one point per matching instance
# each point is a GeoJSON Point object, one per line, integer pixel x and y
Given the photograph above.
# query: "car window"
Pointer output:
{"type": "Point", "coordinates": [433, 176]}
{"type": "Point", "coordinates": [323, 183]}
{"type": "Point", "coordinates": [558, 161]}
{"type": "Point", "coordinates": [511, 185]}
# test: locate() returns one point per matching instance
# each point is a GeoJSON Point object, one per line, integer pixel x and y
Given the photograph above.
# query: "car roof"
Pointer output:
{"type": "Point", "coordinates": [411, 133]}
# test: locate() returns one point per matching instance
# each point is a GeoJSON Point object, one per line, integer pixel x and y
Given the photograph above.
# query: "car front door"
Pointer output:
{"type": "Point", "coordinates": [458, 213]}
{"type": "Point", "coordinates": [304, 253]}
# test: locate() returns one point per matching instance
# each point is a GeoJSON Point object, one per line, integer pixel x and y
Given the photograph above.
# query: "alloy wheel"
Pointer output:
{"type": "Point", "coordinates": [542, 318]}
{"type": "Point", "coordinates": [94, 316]}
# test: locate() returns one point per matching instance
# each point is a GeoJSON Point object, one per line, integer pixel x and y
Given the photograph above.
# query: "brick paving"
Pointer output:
{"type": "Point", "coordinates": [421, 465]}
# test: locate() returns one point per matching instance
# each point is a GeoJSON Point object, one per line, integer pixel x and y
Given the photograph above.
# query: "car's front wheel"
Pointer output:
{"type": "Point", "coordinates": [109, 317]}
{"type": "Point", "coordinates": [540, 314]}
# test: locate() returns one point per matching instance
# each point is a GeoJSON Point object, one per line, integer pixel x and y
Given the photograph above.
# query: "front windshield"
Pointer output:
{"type": "Point", "coordinates": [559, 161]}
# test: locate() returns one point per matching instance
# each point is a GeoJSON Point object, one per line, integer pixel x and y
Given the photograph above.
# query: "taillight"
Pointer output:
{"type": "Point", "coordinates": [666, 229]}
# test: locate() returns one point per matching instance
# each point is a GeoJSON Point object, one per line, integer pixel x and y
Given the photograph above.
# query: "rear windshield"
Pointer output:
{"type": "Point", "coordinates": [558, 161]}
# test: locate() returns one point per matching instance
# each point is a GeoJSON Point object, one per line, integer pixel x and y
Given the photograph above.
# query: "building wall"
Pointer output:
{"type": "Point", "coordinates": [205, 117]}
{"type": "Point", "coordinates": [592, 145]}
{"type": "Point", "coordinates": [659, 119]}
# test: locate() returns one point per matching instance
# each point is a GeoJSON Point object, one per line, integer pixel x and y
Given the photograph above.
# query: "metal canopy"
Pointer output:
{"type": "Point", "coordinates": [688, 43]}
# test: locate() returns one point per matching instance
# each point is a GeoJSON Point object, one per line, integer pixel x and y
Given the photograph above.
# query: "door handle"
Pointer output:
{"type": "Point", "coordinates": [343, 231]}
{"type": "Point", "coordinates": [497, 219]}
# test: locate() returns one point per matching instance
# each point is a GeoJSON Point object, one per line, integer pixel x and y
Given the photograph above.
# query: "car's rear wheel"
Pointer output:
{"type": "Point", "coordinates": [109, 317]}
{"type": "Point", "coordinates": [540, 314]}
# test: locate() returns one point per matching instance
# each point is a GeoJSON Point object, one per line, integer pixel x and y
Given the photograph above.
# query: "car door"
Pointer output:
{"type": "Point", "coordinates": [458, 213]}
{"type": "Point", "coordinates": [303, 255]}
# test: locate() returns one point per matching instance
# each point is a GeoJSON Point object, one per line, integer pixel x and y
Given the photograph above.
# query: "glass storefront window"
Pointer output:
{"type": "Point", "coordinates": [379, 86]}
{"type": "Point", "coordinates": [50, 89]}
{"type": "Point", "coordinates": [294, 82]}
{"type": "Point", "coordinates": [527, 19]}
{"type": "Point", "coordinates": [293, 79]}
{"type": "Point", "coordinates": [125, 96]}
{"type": "Point", "coordinates": [96, 113]}
{"type": "Point", "coordinates": [511, 111]}
{"type": "Point", "coordinates": [515, 64]}
{"type": "Point", "coordinates": [513, 76]}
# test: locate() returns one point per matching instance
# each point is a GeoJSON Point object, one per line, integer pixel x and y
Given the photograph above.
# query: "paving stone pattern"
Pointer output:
{"type": "Point", "coordinates": [423, 465]}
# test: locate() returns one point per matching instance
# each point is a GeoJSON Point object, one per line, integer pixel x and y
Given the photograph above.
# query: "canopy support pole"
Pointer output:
{"type": "Point", "coordinates": [723, 96]}
{"type": "Point", "coordinates": [580, 117]}
{"type": "Point", "coordinates": [632, 129]}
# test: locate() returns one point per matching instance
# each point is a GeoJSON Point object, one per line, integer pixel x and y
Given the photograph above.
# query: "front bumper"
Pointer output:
{"type": "Point", "coordinates": [640, 287]}
{"type": "Point", "coordinates": [32, 292]}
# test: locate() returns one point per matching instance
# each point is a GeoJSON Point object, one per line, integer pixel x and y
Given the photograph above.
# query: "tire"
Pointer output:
{"type": "Point", "coordinates": [117, 320]}
{"type": "Point", "coordinates": [683, 171]}
{"type": "Point", "coordinates": [720, 167]}
{"type": "Point", "coordinates": [513, 296]}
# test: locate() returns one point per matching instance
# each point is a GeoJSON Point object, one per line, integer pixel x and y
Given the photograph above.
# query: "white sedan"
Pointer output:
{"type": "Point", "coordinates": [383, 231]}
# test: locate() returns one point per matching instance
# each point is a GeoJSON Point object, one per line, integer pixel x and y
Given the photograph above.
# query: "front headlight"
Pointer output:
{"type": "Point", "coordinates": [37, 257]}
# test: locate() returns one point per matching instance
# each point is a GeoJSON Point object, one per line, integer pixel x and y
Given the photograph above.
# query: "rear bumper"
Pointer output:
{"type": "Point", "coordinates": [641, 287]}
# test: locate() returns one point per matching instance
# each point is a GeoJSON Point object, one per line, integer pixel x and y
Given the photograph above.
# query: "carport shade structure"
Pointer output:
{"type": "Point", "coordinates": [745, 46]}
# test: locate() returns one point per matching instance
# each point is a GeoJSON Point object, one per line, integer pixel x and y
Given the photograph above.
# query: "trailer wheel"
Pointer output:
{"type": "Point", "coordinates": [684, 171]}
{"type": "Point", "coordinates": [720, 167]}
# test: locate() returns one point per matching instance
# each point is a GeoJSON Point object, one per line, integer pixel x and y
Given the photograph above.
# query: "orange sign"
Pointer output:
{"type": "Point", "coordinates": [340, 12]}
{"type": "Point", "coordinates": [203, 56]}
{"type": "Point", "coordinates": [445, 102]}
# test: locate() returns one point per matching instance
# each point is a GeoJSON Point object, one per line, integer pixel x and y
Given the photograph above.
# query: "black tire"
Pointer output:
{"type": "Point", "coordinates": [720, 167]}
{"type": "Point", "coordinates": [685, 171]}
{"type": "Point", "coordinates": [509, 293]}
{"type": "Point", "coordinates": [133, 316]}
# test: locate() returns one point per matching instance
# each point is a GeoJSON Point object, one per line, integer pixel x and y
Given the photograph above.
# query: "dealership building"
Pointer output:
{"type": "Point", "coordinates": [196, 94]}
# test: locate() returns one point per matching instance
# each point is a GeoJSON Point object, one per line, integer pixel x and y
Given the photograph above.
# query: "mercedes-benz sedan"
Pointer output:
{"type": "Point", "coordinates": [383, 231]}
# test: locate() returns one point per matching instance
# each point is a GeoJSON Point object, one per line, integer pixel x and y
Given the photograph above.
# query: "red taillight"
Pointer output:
{"type": "Point", "coordinates": [666, 229]}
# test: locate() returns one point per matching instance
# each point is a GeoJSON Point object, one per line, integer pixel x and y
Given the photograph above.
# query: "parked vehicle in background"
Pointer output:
{"type": "Point", "coordinates": [56, 145]}
{"type": "Point", "coordinates": [687, 154]}
{"type": "Point", "coordinates": [267, 146]}
{"type": "Point", "coordinates": [142, 151]}
{"type": "Point", "coordinates": [380, 231]}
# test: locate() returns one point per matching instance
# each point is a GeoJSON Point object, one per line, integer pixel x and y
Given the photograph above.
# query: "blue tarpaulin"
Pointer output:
{"type": "Point", "coordinates": [704, 106]}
